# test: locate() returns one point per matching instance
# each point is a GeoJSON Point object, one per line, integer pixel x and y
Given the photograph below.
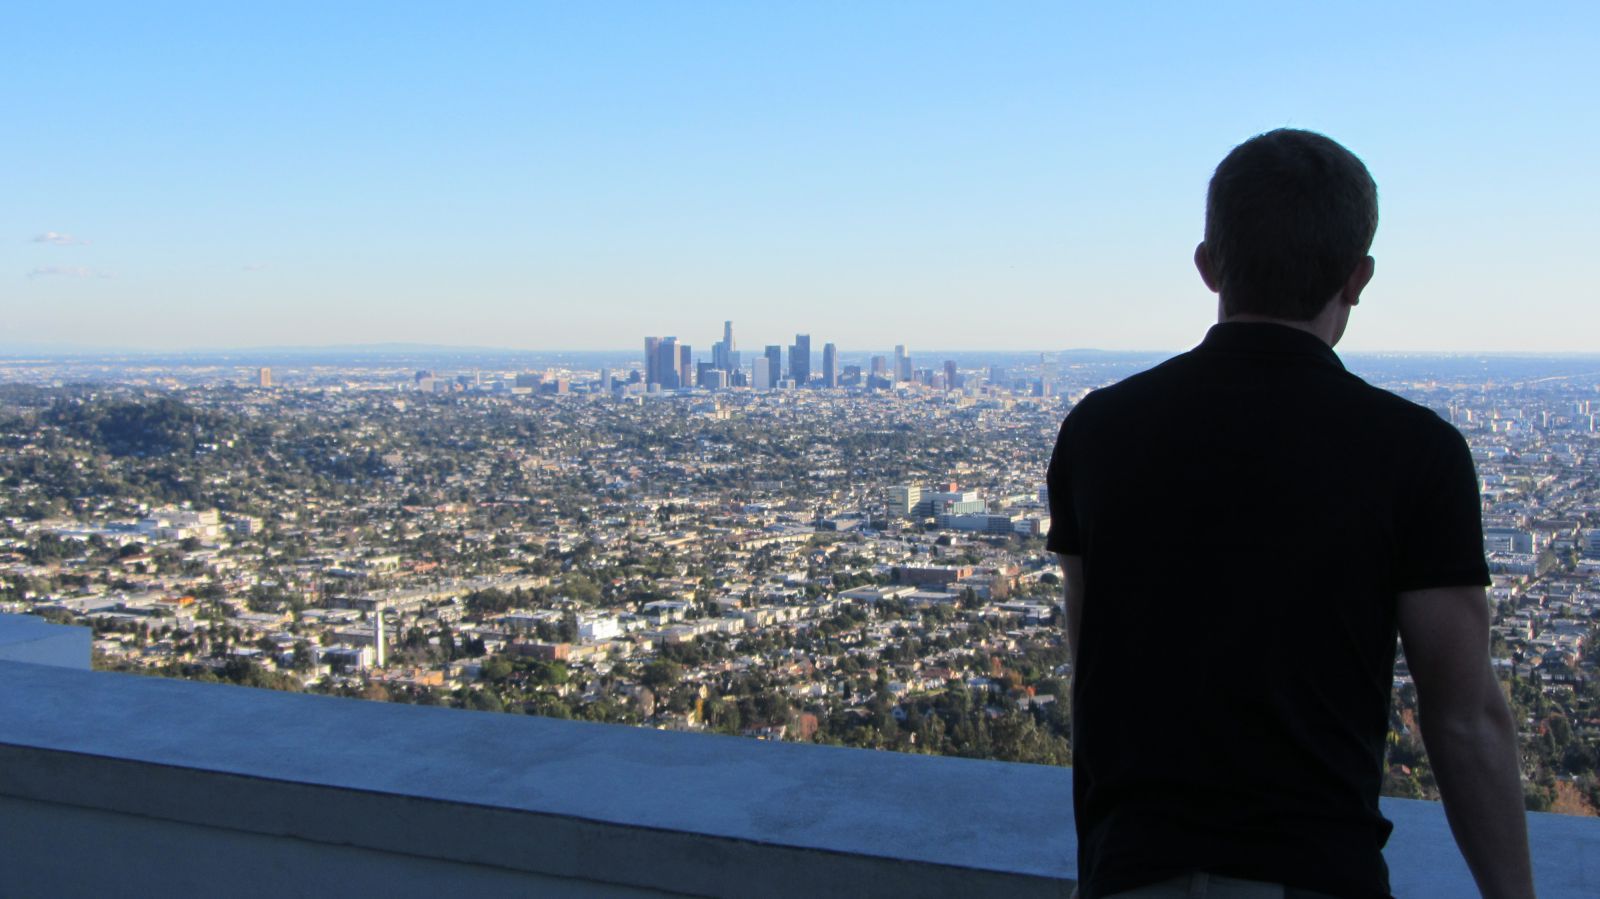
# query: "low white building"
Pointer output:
{"type": "Point", "coordinates": [593, 628]}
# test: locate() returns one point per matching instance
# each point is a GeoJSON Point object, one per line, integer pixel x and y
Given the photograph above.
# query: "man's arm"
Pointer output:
{"type": "Point", "coordinates": [1072, 578]}
{"type": "Point", "coordinates": [1469, 734]}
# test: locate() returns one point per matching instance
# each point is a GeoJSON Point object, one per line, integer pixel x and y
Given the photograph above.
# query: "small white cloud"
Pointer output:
{"type": "Point", "coordinates": [255, 267]}
{"type": "Point", "coordinates": [59, 239]}
{"type": "Point", "coordinates": [66, 271]}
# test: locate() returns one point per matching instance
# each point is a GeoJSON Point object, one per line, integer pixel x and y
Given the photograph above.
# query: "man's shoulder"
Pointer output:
{"type": "Point", "coordinates": [1400, 412]}
{"type": "Point", "coordinates": [1135, 388]}
{"type": "Point", "coordinates": [1177, 380]}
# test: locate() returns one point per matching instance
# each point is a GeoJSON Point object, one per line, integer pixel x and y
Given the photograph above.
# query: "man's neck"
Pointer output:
{"type": "Point", "coordinates": [1308, 327]}
{"type": "Point", "coordinates": [1327, 327]}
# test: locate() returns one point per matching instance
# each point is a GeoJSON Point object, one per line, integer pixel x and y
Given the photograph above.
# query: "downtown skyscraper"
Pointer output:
{"type": "Point", "coordinates": [725, 353]}
{"type": "Point", "coordinates": [664, 362]}
{"type": "Point", "coordinates": [652, 355]}
{"type": "Point", "coordinates": [902, 363]}
{"type": "Point", "coordinates": [800, 360]}
{"type": "Point", "coordinates": [774, 363]}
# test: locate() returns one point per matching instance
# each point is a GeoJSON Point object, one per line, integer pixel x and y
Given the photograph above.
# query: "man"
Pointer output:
{"type": "Point", "coordinates": [1243, 529]}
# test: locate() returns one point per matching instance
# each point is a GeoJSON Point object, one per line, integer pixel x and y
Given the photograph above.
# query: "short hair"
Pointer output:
{"type": "Point", "coordinates": [1289, 215]}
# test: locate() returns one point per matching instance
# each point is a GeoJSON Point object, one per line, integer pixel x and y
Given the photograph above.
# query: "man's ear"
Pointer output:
{"type": "Point", "coordinates": [1202, 261]}
{"type": "Point", "coordinates": [1359, 278]}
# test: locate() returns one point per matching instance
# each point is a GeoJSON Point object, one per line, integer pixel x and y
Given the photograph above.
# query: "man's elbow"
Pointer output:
{"type": "Point", "coordinates": [1466, 722]}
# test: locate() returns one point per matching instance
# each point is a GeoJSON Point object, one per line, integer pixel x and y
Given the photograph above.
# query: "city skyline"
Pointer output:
{"type": "Point", "coordinates": [671, 365]}
{"type": "Point", "coordinates": [528, 177]}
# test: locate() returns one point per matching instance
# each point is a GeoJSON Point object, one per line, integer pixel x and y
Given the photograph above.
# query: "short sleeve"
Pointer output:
{"type": "Point", "coordinates": [1064, 534]}
{"type": "Point", "coordinates": [1441, 535]}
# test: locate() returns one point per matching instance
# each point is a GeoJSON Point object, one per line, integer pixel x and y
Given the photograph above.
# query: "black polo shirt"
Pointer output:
{"type": "Point", "coordinates": [1246, 513]}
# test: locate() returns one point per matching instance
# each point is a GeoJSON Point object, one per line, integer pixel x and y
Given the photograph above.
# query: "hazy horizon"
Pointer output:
{"type": "Point", "coordinates": [922, 355]}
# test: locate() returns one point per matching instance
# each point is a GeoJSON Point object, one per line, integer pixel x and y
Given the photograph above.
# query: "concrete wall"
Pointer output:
{"type": "Point", "coordinates": [63, 852]}
{"type": "Point", "coordinates": [110, 757]}
{"type": "Point", "coordinates": [123, 785]}
{"type": "Point", "coordinates": [26, 638]}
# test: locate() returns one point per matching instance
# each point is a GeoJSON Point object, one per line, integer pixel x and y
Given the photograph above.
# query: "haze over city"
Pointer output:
{"type": "Point", "coordinates": [554, 177]}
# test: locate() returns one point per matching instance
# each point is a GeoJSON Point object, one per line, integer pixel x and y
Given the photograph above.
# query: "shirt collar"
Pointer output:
{"type": "Point", "coordinates": [1266, 337]}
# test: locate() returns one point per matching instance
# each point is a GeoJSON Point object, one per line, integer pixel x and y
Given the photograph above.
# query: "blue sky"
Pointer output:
{"type": "Point", "coordinates": [954, 176]}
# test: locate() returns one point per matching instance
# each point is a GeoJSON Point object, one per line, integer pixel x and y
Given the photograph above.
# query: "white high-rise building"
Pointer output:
{"type": "Point", "coordinates": [380, 654]}
{"type": "Point", "coordinates": [903, 499]}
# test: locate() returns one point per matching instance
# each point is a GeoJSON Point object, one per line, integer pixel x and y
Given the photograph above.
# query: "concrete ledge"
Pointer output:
{"type": "Point", "coordinates": [636, 808]}
{"type": "Point", "coordinates": [1423, 859]}
{"type": "Point", "coordinates": [27, 638]}
{"type": "Point", "coordinates": [171, 782]}
{"type": "Point", "coordinates": [60, 853]}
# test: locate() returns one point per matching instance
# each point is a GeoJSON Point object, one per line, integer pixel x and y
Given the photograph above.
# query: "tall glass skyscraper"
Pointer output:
{"type": "Point", "coordinates": [667, 364]}
{"type": "Point", "coordinates": [774, 365]}
{"type": "Point", "coordinates": [652, 360]}
{"type": "Point", "coordinates": [800, 359]}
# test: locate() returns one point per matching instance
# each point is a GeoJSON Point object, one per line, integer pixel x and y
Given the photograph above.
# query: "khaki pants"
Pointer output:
{"type": "Point", "coordinates": [1201, 885]}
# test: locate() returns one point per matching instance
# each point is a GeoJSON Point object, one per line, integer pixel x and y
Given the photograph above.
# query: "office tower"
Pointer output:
{"type": "Point", "coordinates": [952, 379]}
{"type": "Point", "coordinates": [997, 375]}
{"type": "Point", "coordinates": [761, 374]}
{"type": "Point", "coordinates": [903, 499]}
{"type": "Point", "coordinates": [902, 363]}
{"type": "Point", "coordinates": [800, 360]}
{"type": "Point", "coordinates": [725, 353]}
{"type": "Point", "coordinates": [652, 353]}
{"type": "Point", "coordinates": [851, 376]}
{"type": "Point", "coordinates": [879, 377]}
{"type": "Point", "coordinates": [264, 377]}
{"type": "Point", "coordinates": [709, 377]}
{"type": "Point", "coordinates": [667, 364]}
{"type": "Point", "coordinates": [774, 365]}
{"type": "Point", "coordinates": [605, 380]}
{"type": "Point", "coordinates": [830, 365]}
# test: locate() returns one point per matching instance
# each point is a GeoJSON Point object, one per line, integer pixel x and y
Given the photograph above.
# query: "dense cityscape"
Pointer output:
{"type": "Point", "coordinates": [741, 543]}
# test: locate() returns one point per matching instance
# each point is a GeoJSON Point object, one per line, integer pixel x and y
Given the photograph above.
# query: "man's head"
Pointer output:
{"type": "Point", "coordinates": [1290, 216]}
